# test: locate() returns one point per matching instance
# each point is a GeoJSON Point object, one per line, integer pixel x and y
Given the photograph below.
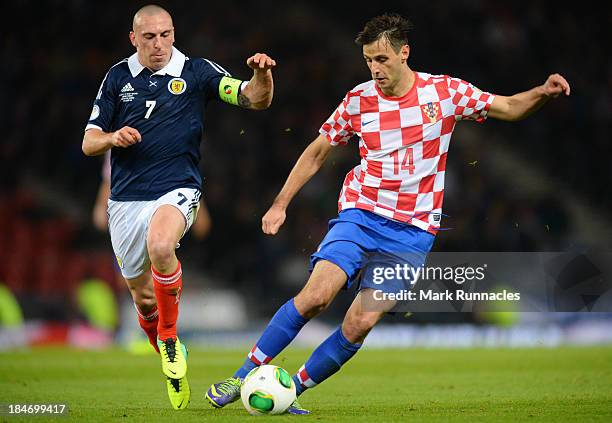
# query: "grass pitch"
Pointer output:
{"type": "Point", "coordinates": [566, 384]}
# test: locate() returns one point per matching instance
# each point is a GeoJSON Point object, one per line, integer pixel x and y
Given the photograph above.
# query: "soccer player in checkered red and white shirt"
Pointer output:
{"type": "Point", "coordinates": [391, 202]}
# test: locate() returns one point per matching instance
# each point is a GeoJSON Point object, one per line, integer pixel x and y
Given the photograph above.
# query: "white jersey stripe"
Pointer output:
{"type": "Point", "coordinates": [217, 67]}
{"type": "Point", "coordinates": [104, 80]}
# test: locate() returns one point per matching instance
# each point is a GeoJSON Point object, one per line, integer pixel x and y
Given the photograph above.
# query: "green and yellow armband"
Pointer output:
{"type": "Point", "coordinates": [229, 89]}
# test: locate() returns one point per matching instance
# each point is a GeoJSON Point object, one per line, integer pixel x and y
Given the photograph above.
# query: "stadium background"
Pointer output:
{"type": "Point", "coordinates": [537, 185]}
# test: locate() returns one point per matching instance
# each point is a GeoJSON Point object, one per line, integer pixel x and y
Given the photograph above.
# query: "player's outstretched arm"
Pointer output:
{"type": "Point", "coordinates": [521, 105]}
{"type": "Point", "coordinates": [96, 141]}
{"type": "Point", "coordinates": [257, 94]}
{"type": "Point", "coordinates": [307, 165]}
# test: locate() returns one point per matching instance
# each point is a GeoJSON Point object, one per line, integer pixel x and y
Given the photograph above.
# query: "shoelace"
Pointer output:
{"type": "Point", "coordinates": [229, 387]}
{"type": "Point", "coordinates": [170, 349]}
{"type": "Point", "coordinates": [177, 384]}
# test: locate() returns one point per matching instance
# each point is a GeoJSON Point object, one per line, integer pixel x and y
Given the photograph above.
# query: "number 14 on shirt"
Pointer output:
{"type": "Point", "coordinates": [407, 162]}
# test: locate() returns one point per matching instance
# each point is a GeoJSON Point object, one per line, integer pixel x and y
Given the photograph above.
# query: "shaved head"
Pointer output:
{"type": "Point", "coordinates": [146, 11]}
{"type": "Point", "coordinates": [153, 36]}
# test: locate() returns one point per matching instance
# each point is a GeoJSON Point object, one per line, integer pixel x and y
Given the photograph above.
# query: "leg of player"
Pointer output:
{"type": "Point", "coordinates": [359, 319]}
{"type": "Point", "coordinates": [322, 287]}
{"type": "Point", "coordinates": [165, 229]}
{"type": "Point", "coordinates": [340, 346]}
{"type": "Point", "coordinates": [145, 303]}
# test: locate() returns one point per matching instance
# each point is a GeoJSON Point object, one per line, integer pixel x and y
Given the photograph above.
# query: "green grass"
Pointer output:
{"type": "Point", "coordinates": [566, 384]}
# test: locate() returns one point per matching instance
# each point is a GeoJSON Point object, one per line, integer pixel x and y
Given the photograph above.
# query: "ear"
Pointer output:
{"type": "Point", "coordinates": [133, 38]}
{"type": "Point", "coordinates": [405, 52]}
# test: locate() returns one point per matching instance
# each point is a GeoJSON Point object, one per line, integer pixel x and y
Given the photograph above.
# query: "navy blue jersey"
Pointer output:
{"type": "Point", "coordinates": [166, 107]}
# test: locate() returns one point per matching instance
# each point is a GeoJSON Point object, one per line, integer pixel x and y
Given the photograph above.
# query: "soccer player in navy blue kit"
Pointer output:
{"type": "Point", "coordinates": [391, 202]}
{"type": "Point", "coordinates": [149, 112]}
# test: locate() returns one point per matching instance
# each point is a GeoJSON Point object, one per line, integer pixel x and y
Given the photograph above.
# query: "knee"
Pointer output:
{"type": "Point", "coordinates": [145, 301]}
{"type": "Point", "coordinates": [357, 326]}
{"type": "Point", "coordinates": [161, 252]}
{"type": "Point", "coordinates": [311, 303]}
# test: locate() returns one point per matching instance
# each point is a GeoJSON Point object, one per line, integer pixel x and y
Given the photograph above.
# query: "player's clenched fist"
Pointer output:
{"type": "Point", "coordinates": [261, 61]}
{"type": "Point", "coordinates": [273, 220]}
{"type": "Point", "coordinates": [556, 85]}
{"type": "Point", "coordinates": [125, 137]}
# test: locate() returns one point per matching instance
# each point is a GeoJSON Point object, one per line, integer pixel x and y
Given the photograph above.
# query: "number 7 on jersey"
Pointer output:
{"type": "Point", "coordinates": [150, 105]}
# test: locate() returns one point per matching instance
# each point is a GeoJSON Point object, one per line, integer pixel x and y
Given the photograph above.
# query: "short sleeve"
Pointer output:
{"type": "Point", "coordinates": [337, 129]}
{"type": "Point", "coordinates": [469, 102]}
{"type": "Point", "coordinates": [104, 105]}
{"type": "Point", "coordinates": [209, 75]}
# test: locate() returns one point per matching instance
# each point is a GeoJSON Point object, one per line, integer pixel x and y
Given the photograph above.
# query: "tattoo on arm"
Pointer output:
{"type": "Point", "coordinates": [243, 101]}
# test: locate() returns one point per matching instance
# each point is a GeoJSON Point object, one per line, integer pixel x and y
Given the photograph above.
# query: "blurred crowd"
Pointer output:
{"type": "Point", "coordinates": [57, 52]}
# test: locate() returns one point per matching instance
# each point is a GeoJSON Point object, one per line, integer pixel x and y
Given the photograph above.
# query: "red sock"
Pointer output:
{"type": "Point", "coordinates": [148, 323]}
{"type": "Point", "coordinates": [167, 290]}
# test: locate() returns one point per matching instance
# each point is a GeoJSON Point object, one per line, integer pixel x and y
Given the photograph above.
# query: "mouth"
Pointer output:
{"type": "Point", "coordinates": [380, 79]}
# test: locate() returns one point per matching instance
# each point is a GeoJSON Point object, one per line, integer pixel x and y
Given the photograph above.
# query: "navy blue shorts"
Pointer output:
{"type": "Point", "coordinates": [373, 251]}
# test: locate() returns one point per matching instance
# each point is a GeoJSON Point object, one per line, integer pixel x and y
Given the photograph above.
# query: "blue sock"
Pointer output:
{"type": "Point", "coordinates": [281, 330]}
{"type": "Point", "coordinates": [325, 361]}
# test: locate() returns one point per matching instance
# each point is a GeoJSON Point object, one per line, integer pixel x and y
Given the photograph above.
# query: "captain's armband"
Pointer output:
{"type": "Point", "coordinates": [229, 90]}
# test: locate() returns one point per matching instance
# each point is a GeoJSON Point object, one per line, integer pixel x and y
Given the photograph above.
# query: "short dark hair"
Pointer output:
{"type": "Point", "coordinates": [391, 26]}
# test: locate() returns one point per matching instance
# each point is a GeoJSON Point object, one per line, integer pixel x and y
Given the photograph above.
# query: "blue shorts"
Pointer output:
{"type": "Point", "coordinates": [374, 251]}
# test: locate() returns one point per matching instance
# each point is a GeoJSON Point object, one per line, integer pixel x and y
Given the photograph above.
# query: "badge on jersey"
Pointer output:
{"type": "Point", "coordinates": [177, 86]}
{"type": "Point", "coordinates": [95, 112]}
{"type": "Point", "coordinates": [431, 110]}
{"type": "Point", "coordinates": [436, 218]}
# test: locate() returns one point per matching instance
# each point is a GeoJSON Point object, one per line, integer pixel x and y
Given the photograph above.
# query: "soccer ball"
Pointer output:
{"type": "Point", "coordinates": [267, 389]}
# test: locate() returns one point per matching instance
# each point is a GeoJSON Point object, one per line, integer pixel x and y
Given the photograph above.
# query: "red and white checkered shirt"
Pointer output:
{"type": "Point", "coordinates": [403, 144]}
